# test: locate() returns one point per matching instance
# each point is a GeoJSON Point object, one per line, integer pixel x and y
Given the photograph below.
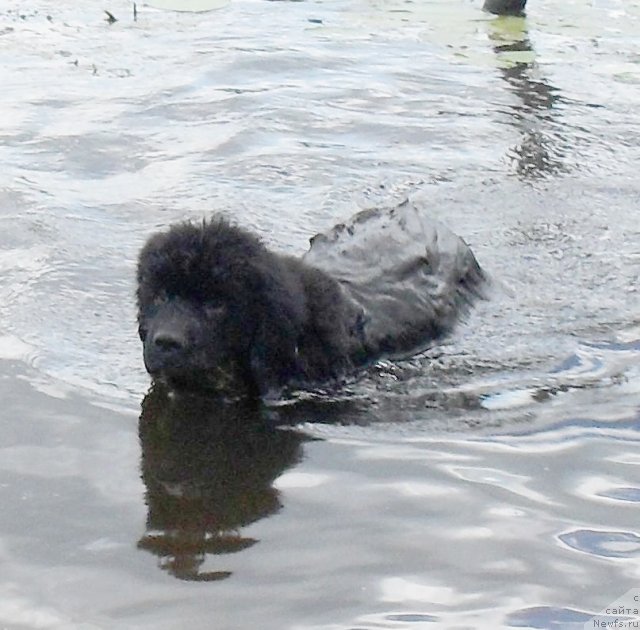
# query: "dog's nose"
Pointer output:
{"type": "Point", "coordinates": [168, 341]}
{"type": "Point", "coordinates": [164, 349]}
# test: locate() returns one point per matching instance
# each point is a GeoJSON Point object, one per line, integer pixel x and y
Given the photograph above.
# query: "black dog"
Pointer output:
{"type": "Point", "coordinates": [217, 310]}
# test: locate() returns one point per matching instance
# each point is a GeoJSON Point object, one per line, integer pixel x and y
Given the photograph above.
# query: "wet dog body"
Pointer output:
{"type": "Point", "coordinates": [217, 310]}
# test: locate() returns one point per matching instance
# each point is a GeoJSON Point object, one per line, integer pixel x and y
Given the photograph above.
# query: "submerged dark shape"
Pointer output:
{"type": "Point", "coordinates": [218, 310]}
{"type": "Point", "coordinates": [505, 7]}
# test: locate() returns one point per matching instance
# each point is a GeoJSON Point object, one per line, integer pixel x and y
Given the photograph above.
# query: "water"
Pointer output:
{"type": "Point", "coordinates": [493, 482]}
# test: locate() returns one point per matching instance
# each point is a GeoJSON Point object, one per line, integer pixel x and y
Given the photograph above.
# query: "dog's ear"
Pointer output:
{"type": "Point", "coordinates": [279, 319]}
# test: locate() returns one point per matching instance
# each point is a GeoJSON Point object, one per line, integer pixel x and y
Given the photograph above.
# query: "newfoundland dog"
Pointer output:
{"type": "Point", "coordinates": [219, 311]}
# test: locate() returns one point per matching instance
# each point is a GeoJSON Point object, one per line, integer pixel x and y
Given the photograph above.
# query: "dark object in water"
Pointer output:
{"type": "Point", "coordinates": [218, 311]}
{"type": "Point", "coordinates": [505, 7]}
{"type": "Point", "coordinates": [208, 471]}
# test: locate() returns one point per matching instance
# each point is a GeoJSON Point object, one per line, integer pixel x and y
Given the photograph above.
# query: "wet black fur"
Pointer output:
{"type": "Point", "coordinates": [217, 309]}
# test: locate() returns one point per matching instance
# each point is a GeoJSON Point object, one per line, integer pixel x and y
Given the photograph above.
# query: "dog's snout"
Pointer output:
{"type": "Point", "coordinates": [166, 348]}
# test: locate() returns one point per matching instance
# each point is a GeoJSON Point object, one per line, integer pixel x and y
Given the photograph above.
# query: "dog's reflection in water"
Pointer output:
{"type": "Point", "coordinates": [208, 469]}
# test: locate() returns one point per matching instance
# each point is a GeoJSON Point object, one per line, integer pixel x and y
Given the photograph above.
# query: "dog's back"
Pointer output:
{"type": "Point", "coordinates": [413, 277]}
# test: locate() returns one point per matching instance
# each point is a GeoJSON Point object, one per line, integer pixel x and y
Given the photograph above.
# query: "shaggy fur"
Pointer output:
{"type": "Point", "coordinates": [217, 310]}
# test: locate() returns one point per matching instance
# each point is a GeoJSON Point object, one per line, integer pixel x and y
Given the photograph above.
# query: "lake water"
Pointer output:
{"type": "Point", "coordinates": [492, 483]}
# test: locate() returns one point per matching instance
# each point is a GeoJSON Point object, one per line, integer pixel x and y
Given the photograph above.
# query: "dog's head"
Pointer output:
{"type": "Point", "coordinates": [217, 310]}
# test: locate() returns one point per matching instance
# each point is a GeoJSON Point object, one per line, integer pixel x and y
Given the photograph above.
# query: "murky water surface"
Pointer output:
{"type": "Point", "coordinates": [494, 482]}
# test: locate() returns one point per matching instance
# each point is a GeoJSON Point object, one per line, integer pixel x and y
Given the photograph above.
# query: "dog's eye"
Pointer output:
{"type": "Point", "coordinates": [143, 332]}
